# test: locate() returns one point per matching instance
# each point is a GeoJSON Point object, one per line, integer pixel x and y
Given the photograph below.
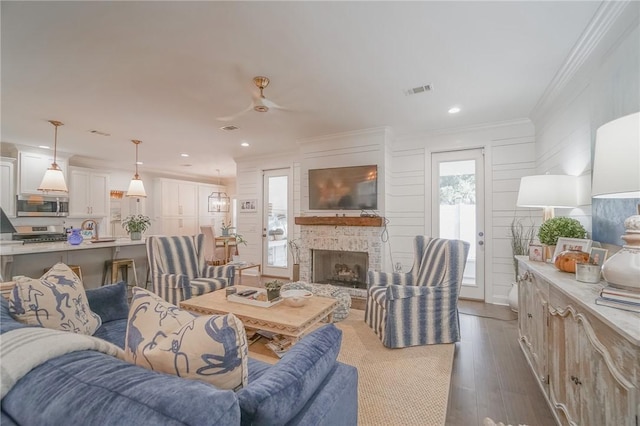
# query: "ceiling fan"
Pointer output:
{"type": "Point", "coordinates": [259, 102]}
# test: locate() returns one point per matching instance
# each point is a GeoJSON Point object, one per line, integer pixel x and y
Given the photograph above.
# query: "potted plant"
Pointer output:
{"type": "Point", "coordinates": [135, 225]}
{"type": "Point", "coordinates": [557, 227]}
{"type": "Point", "coordinates": [273, 289]}
{"type": "Point", "coordinates": [520, 236]}
{"type": "Point", "coordinates": [226, 228]}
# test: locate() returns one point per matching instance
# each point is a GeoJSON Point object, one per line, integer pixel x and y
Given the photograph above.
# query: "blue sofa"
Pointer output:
{"type": "Point", "coordinates": [306, 387]}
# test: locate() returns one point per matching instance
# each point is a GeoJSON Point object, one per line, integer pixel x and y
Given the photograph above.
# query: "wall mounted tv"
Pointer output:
{"type": "Point", "coordinates": [344, 188]}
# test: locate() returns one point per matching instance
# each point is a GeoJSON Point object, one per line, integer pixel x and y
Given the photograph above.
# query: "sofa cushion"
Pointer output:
{"type": "Point", "coordinates": [113, 332]}
{"type": "Point", "coordinates": [109, 301]}
{"type": "Point", "coordinates": [210, 348]}
{"type": "Point", "coordinates": [7, 322]}
{"type": "Point", "coordinates": [90, 388]}
{"type": "Point", "coordinates": [57, 300]}
{"type": "Point", "coordinates": [281, 391]}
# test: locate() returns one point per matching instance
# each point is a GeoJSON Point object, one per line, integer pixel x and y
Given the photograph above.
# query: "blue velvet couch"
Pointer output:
{"type": "Point", "coordinates": [306, 387]}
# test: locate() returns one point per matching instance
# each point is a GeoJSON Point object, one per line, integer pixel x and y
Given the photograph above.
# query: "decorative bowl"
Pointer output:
{"type": "Point", "coordinates": [295, 298]}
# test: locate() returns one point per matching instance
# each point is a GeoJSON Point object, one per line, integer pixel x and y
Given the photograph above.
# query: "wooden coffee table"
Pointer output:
{"type": "Point", "coordinates": [280, 318]}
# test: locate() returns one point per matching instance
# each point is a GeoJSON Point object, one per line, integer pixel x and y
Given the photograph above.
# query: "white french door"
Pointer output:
{"type": "Point", "coordinates": [458, 209]}
{"type": "Point", "coordinates": [275, 251]}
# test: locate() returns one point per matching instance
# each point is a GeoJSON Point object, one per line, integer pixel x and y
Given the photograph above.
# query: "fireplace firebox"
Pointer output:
{"type": "Point", "coordinates": [337, 267]}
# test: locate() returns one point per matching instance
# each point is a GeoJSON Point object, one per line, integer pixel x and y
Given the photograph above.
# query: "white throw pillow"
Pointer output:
{"type": "Point", "coordinates": [209, 348]}
{"type": "Point", "coordinates": [57, 300]}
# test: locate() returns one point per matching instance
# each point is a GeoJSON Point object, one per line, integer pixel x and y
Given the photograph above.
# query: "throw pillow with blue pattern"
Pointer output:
{"type": "Point", "coordinates": [209, 348]}
{"type": "Point", "coordinates": [57, 300]}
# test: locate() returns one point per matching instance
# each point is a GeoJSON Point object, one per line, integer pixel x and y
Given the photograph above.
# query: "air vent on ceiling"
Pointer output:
{"type": "Point", "coordinates": [419, 89]}
{"type": "Point", "coordinates": [229, 128]}
{"type": "Point", "coordinates": [98, 132]}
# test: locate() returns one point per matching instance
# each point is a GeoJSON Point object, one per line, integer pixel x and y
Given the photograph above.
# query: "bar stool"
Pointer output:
{"type": "Point", "coordinates": [122, 266]}
{"type": "Point", "coordinates": [75, 268]}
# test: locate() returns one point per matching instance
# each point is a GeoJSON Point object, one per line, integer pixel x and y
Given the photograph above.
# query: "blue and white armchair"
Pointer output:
{"type": "Point", "coordinates": [179, 271]}
{"type": "Point", "coordinates": [419, 307]}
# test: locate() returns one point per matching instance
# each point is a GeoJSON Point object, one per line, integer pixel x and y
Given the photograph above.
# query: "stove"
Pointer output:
{"type": "Point", "coordinates": [40, 234]}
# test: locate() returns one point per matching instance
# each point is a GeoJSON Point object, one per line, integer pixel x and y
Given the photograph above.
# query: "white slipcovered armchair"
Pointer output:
{"type": "Point", "coordinates": [421, 306]}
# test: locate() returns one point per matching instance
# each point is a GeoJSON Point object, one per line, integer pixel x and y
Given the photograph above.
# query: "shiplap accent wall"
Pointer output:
{"type": "Point", "coordinates": [509, 154]}
{"type": "Point", "coordinates": [604, 87]}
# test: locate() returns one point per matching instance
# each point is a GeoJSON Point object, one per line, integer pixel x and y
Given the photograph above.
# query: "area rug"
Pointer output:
{"type": "Point", "coordinates": [408, 386]}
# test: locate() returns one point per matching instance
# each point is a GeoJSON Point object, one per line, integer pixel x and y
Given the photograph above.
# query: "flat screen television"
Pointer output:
{"type": "Point", "coordinates": [344, 188]}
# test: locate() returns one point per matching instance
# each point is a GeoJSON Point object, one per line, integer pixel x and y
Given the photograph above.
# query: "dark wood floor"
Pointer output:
{"type": "Point", "coordinates": [491, 377]}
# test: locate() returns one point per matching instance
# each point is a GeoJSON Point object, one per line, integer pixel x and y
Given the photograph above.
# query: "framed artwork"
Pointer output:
{"type": "Point", "coordinates": [571, 244]}
{"type": "Point", "coordinates": [248, 206]}
{"type": "Point", "coordinates": [535, 252]}
{"type": "Point", "coordinates": [598, 256]}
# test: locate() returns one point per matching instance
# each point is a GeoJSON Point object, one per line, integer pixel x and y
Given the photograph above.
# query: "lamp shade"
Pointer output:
{"type": "Point", "coordinates": [136, 189]}
{"type": "Point", "coordinates": [53, 180]}
{"type": "Point", "coordinates": [548, 191]}
{"type": "Point", "coordinates": [616, 163]}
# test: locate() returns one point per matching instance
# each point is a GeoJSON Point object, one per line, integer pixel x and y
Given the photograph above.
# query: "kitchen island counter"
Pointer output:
{"type": "Point", "coordinates": [32, 259]}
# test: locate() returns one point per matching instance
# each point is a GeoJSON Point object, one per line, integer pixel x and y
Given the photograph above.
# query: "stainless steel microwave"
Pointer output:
{"type": "Point", "coordinates": [38, 205]}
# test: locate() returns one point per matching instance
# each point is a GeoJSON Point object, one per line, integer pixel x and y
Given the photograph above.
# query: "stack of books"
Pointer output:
{"type": "Point", "coordinates": [621, 299]}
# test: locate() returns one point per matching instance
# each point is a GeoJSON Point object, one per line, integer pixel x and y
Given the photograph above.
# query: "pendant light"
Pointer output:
{"type": "Point", "coordinates": [53, 180]}
{"type": "Point", "coordinates": [136, 187]}
{"type": "Point", "coordinates": [218, 201]}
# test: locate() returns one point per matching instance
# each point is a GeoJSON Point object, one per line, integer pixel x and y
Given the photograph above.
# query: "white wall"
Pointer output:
{"type": "Point", "coordinates": [509, 155]}
{"type": "Point", "coordinates": [599, 83]}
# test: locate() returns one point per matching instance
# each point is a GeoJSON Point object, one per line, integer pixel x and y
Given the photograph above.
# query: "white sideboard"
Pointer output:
{"type": "Point", "coordinates": [586, 357]}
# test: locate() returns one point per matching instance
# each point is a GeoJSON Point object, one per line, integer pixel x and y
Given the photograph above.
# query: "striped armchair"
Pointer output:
{"type": "Point", "coordinates": [178, 269]}
{"type": "Point", "coordinates": [419, 307]}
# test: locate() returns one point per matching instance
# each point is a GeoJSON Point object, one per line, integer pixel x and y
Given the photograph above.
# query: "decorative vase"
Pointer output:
{"type": "Point", "coordinates": [225, 232]}
{"type": "Point", "coordinates": [273, 294]}
{"type": "Point", "coordinates": [135, 236]}
{"type": "Point", "coordinates": [74, 237]}
{"type": "Point", "coordinates": [296, 272]}
{"type": "Point", "coordinates": [547, 253]}
{"type": "Point", "coordinates": [513, 297]}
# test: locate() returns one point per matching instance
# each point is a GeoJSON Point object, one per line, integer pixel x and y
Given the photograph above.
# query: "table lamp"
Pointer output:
{"type": "Point", "coordinates": [616, 174]}
{"type": "Point", "coordinates": [548, 192]}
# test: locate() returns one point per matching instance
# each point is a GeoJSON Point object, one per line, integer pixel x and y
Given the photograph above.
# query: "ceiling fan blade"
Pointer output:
{"type": "Point", "coordinates": [270, 104]}
{"type": "Point", "coordinates": [234, 116]}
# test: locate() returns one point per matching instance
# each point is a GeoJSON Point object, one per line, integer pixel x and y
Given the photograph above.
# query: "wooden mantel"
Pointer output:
{"type": "Point", "coordinates": [339, 220]}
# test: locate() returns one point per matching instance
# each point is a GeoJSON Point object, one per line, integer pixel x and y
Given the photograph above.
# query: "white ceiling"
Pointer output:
{"type": "Point", "coordinates": [163, 71]}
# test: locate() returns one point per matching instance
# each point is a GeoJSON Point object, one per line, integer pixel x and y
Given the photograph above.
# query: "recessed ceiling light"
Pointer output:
{"type": "Point", "coordinates": [44, 147]}
{"type": "Point", "coordinates": [244, 144]}
{"type": "Point", "coordinates": [139, 163]}
{"type": "Point", "coordinates": [184, 155]}
{"type": "Point", "coordinates": [454, 110]}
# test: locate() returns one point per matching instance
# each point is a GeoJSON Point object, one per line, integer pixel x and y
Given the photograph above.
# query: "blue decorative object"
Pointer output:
{"type": "Point", "coordinates": [74, 237]}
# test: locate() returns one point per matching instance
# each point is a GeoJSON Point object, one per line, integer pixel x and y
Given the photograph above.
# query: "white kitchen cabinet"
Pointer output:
{"type": "Point", "coordinates": [8, 186]}
{"type": "Point", "coordinates": [586, 357]}
{"type": "Point", "coordinates": [88, 193]}
{"type": "Point", "coordinates": [179, 226]}
{"type": "Point", "coordinates": [179, 198]}
{"type": "Point", "coordinates": [176, 204]}
{"type": "Point", "coordinates": [31, 169]}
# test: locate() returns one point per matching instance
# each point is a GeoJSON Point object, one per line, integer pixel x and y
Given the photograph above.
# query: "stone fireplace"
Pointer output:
{"type": "Point", "coordinates": [348, 239]}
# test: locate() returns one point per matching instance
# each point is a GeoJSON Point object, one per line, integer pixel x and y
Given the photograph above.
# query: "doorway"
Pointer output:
{"type": "Point", "coordinates": [275, 251]}
{"type": "Point", "coordinates": [458, 210]}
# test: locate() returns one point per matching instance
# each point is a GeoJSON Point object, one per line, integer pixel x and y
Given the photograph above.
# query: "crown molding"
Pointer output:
{"type": "Point", "coordinates": [603, 20]}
